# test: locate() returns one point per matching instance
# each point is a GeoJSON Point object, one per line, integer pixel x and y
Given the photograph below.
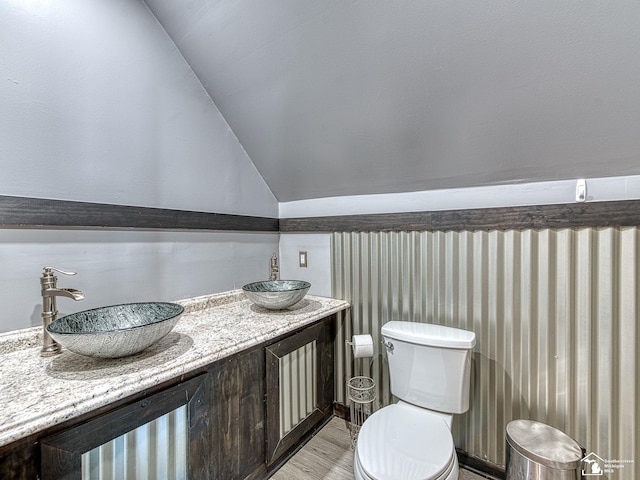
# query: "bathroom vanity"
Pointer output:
{"type": "Point", "coordinates": [229, 369]}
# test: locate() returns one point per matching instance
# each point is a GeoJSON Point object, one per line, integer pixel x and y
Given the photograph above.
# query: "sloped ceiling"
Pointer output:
{"type": "Point", "coordinates": [335, 97]}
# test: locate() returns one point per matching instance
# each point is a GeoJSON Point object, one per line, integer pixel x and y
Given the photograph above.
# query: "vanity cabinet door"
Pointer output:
{"type": "Point", "coordinates": [237, 417]}
{"type": "Point", "coordinates": [163, 436]}
{"type": "Point", "coordinates": [300, 387]}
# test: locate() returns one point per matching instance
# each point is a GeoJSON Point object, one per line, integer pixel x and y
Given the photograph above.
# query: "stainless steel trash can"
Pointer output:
{"type": "Point", "coordinates": [536, 451]}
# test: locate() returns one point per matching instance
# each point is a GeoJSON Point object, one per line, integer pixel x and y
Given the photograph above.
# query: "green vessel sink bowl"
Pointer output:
{"type": "Point", "coordinates": [115, 331]}
{"type": "Point", "coordinates": [276, 294]}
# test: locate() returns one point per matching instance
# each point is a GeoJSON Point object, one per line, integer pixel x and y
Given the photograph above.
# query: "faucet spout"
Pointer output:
{"type": "Point", "coordinates": [72, 293]}
{"type": "Point", "coordinates": [49, 292]}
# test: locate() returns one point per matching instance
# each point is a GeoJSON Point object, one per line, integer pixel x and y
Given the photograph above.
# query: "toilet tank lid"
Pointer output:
{"type": "Point", "coordinates": [429, 334]}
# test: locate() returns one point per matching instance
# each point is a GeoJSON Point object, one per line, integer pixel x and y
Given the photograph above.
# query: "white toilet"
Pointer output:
{"type": "Point", "coordinates": [429, 367]}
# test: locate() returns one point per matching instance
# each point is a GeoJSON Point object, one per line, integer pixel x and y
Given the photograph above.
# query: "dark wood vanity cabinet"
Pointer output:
{"type": "Point", "coordinates": [237, 417]}
{"type": "Point", "coordinates": [234, 409]}
{"type": "Point", "coordinates": [312, 349]}
{"type": "Point", "coordinates": [245, 400]}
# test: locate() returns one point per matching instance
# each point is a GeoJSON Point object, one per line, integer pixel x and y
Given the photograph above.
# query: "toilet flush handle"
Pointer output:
{"type": "Point", "coordinates": [387, 344]}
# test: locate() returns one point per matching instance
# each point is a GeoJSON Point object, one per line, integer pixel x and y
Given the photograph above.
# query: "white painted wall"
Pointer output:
{"type": "Point", "coordinates": [98, 105]}
{"type": "Point", "coordinates": [124, 266]}
{"type": "Point", "coordinates": [318, 270]}
{"type": "Point", "coordinates": [538, 193]}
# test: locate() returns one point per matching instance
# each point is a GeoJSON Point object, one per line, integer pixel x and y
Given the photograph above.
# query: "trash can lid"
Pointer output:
{"type": "Point", "coordinates": [544, 444]}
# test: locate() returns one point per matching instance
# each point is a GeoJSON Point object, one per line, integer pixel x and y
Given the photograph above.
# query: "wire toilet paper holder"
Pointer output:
{"type": "Point", "coordinates": [361, 393]}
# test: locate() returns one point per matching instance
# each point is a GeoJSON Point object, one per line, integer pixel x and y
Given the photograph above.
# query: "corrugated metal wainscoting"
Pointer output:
{"type": "Point", "coordinates": [156, 450]}
{"type": "Point", "coordinates": [298, 379]}
{"type": "Point", "coordinates": [555, 313]}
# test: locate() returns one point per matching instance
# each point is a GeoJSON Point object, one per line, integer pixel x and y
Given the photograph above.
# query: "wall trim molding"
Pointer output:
{"type": "Point", "coordinates": [28, 212]}
{"type": "Point", "coordinates": [591, 214]}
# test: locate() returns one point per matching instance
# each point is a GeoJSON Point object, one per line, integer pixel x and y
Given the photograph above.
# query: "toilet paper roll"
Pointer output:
{"type": "Point", "coordinates": [362, 346]}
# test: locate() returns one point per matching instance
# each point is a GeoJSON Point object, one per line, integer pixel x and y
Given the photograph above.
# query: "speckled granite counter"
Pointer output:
{"type": "Point", "coordinates": [36, 392]}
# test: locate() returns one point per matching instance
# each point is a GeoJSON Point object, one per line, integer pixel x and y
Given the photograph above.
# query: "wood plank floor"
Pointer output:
{"type": "Point", "coordinates": [328, 456]}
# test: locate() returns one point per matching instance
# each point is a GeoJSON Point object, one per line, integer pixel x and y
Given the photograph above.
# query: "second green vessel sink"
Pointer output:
{"type": "Point", "coordinates": [276, 294]}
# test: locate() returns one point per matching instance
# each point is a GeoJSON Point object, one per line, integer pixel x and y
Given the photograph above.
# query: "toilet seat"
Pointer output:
{"type": "Point", "coordinates": [405, 442]}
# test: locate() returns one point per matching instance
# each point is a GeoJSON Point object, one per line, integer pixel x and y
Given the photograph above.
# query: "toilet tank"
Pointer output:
{"type": "Point", "coordinates": [430, 365]}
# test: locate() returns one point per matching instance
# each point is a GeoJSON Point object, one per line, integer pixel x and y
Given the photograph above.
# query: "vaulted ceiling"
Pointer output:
{"type": "Point", "coordinates": [336, 97]}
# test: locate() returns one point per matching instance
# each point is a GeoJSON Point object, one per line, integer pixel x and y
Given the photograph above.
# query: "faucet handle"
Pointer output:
{"type": "Point", "coordinates": [50, 270]}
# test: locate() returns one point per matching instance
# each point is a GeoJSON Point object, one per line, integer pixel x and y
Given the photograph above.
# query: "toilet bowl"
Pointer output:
{"type": "Point", "coordinates": [429, 369]}
{"type": "Point", "coordinates": [404, 442]}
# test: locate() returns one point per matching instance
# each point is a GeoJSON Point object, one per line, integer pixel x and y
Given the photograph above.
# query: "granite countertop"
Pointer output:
{"type": "Point", "coordinates": [37, 393]}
